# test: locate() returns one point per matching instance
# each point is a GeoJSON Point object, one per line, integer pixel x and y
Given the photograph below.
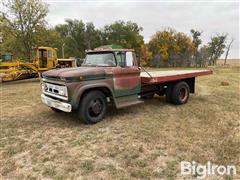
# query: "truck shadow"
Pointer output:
{"type": "Point", "coordinates": [71, 119]}
{"type": "Point", "coordinates": [63, 119]}
{"type": "Point", "coordinates": [156, 102]}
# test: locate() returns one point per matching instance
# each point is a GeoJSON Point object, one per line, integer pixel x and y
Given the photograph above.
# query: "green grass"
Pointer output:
{"type": "Point", "coordinates": [142, 142]}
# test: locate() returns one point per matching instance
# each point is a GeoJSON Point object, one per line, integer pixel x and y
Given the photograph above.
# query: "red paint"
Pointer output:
{"type": "Point", "coordinates": [126, 77]}
{"type": "Point", "coordinates": [162, 79]}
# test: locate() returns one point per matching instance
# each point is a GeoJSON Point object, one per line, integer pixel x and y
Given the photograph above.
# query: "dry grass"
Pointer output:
{"type": "Point", "coordinates": [146, 141]}
{"type": "Point", "coordinates": [229, 62]}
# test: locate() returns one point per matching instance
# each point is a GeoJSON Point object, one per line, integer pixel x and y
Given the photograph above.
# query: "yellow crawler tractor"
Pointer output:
{"type": "Point", "coordinates": [46, 59]}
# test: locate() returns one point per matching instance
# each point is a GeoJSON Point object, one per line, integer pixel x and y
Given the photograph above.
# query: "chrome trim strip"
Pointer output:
{"type": "Point", "coordinates": [55, 95]}
{"type": "Point", "coordinates": [66, 107]}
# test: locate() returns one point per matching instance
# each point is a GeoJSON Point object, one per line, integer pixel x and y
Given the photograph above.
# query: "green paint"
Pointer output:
{"type": "Point", "coordinates": [97, 77]}
{"type": "Point", "coordinates": [89, 77]}
{"type": "Point", "coordinates": [74, 103]}
{"type": "Point", "coordinates": [111, 46]}
{"type": "Point", "coordinates": [127, 91]}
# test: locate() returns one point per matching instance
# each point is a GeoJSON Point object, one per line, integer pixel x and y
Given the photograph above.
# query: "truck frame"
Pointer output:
{"type": "Point", "coordinates": [112, 77]}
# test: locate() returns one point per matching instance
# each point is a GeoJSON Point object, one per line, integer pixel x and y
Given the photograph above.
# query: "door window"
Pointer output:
{"type": "Point", "coordinates": [50, 54]}
{"type": "Point", "coordinates": [124, 59]}
{"type": "Point", "coordinates": [121, 56]}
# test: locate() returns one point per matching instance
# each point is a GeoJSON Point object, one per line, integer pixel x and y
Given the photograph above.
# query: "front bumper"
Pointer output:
{"type": "Point", "coordinates": [66, 107]}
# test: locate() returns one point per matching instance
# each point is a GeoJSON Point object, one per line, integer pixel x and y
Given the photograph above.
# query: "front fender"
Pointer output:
{"type": "Point", "coordinates": [77, 95]}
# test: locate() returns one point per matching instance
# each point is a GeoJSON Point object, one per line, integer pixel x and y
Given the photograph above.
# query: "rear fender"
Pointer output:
{"type": "Point", "coordinates": [189, 81]}
{"type": "Point", "coordinates": [191, 84]}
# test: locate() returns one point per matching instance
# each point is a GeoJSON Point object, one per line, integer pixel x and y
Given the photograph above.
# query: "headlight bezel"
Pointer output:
{"type": "Point", "coordinates": [63, 91]}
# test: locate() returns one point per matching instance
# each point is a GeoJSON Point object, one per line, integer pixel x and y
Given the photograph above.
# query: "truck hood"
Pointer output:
{"type": "Point", "coordinates": [76, 72]}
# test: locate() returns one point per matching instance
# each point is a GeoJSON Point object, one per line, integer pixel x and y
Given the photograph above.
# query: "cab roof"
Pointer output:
{"type": "Point", "coordinates": [45, 48]}
{"type": "Point", "coordinates": [108, 50]}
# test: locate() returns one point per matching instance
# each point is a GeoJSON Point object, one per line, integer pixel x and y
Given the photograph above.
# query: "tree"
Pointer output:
{"type": "Point", "coordinates": [145, 55]}
{"type": "Point", "coordinates": [92, 36]}
{"type": "Point", "coordinates": [196, 37]}
{"type": "Point", "coordinates": [184, 49]}
{"type": "Point", "coordinates": [161, 42]}
{"type": "Point", "coordinates": [196, 41]}
{"type": "Point", "coordinates": [73, 36]}
{"type": "Point", "coordinates": [23, 19]}
{"type": "Point", "coordinates": [49, 37]}
{"type": "Point", "coordinates": [228, 48]}
{"type": "Point", "coordinates": [171, 48]}
{"type": "Point", "coordinates": [9, 43]}
{"type": "Point", "coordinates": [78, 36]}
{"type": "Point", "coordinates": [203, 56]}
{"type": "Point", "coordinates": [126, 34]}
{"type": "Point", "coordinates": [216, 47]}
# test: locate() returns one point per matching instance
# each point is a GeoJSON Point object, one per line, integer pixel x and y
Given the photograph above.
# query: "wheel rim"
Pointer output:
{"type": "Point", "coordinates": [183, 94]}
{"type": "Point", "coordinates": [95, 108]}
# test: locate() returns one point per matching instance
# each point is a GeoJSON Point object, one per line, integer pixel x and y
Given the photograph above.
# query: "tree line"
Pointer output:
{"type": "Point", "coordinates": [172, 48]}
{"type": "Point", "coordinates": [23, 27]}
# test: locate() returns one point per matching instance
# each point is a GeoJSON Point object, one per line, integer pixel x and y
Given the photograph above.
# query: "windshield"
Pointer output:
{"type": "Point", "coordinates": [103, 59]}
{"type": "Point", "coordinates": [6, 58]}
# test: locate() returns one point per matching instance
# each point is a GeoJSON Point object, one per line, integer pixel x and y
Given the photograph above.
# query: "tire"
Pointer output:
{"type": "Point", "coordinates": [93, 107]}
{"type": "Point", "coordinates": [168, 93]}
{"type": "Point", "coordinates": [180, 93]}
{"type": "Point", "coordinates": [56, 110]}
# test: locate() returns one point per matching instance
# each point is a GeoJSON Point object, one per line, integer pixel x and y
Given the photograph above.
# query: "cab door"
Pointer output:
{"type": "Point", "coordinates": [126, 75]}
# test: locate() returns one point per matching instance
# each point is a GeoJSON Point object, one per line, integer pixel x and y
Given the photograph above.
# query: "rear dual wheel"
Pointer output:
{"type": "Point", "coordinates": [178, 93]}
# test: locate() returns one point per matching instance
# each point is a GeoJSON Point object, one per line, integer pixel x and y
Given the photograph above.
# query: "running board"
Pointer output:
{"type": "Point", "coordinates": [126, 101]}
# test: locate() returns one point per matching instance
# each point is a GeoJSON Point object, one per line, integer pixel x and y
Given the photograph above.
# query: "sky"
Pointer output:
{"type": "Point", "coordinates": [210, 17]}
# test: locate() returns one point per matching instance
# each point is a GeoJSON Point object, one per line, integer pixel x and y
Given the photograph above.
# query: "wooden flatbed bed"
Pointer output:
{"type": "Point", "coordinates": [156, 77]}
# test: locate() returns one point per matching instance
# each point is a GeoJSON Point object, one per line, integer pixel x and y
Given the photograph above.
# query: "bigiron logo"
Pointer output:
{"type": "Point", "coordinates": [201, 171]}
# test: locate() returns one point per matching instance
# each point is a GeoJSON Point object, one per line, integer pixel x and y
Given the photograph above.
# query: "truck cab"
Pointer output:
{"type": "Point", "coordinates": [107, 76]}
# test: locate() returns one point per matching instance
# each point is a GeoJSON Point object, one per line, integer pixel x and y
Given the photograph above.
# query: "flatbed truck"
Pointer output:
{"type": "Point", "coordinates": [112, 77]}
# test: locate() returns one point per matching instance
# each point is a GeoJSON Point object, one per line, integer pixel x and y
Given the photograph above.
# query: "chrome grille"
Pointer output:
{"type": "Point", "coordinates": [58, 91]}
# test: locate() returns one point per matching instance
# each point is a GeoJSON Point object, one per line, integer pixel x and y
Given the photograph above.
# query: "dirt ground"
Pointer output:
{"type": "Point", "coordinates": [143, 142]}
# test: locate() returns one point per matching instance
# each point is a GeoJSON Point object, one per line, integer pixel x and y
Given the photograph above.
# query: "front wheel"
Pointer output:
{"type": "Point", "coordinates": [93, 107]}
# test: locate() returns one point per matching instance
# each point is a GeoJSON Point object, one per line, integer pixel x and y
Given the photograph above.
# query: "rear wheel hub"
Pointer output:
{"type": "Point", "coordinates": [183, 93]}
